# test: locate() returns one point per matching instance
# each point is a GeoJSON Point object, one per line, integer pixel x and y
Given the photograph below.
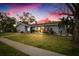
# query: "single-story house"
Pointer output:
{"type": "Point", "coordinates": [44, 28]}
{"type": "Point", "coordinates": [21, 27]}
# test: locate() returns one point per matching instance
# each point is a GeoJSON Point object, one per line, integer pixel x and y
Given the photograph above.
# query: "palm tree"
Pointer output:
{"type": "Point", "coordinates": [74, 7]}
{"type": "Point", "coordinates": [72, 25]}
{"type": "Point", "coordinates": [67, 23]}
{"type": "Point", "coordinates": [61, 24]}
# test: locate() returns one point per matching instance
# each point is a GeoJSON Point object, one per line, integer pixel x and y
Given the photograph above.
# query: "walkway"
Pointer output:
{"type": "Point", "coordinates": [27, 49]}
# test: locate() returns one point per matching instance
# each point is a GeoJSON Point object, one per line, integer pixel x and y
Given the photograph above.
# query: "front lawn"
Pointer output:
{"type": "Point", "coordinates": [5, 34]}
{"type": "Point", "coordinates": [50, 42]}
{"type": "Point", "coordinates": [6, 50]}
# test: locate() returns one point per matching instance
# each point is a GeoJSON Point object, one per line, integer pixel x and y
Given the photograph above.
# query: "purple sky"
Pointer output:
{"type": "Point", "coordinates": [39, 10]}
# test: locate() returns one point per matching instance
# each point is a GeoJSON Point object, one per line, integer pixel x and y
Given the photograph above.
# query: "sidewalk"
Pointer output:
{"type": "Point", "coordinates": [27, 49]}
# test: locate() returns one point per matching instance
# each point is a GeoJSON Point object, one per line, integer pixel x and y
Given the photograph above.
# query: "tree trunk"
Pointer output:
{"type": "Point", "coordinates": [76, 30]}
{"type": "Point", "coordinates": [75, 11]}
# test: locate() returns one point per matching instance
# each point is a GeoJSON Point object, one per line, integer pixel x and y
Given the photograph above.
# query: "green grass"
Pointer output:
{"type": "Point", "coordinates": [6, 50]}
{"type": "Point", "coordinates": [50, 42]}
{"type": "Point", "coordinates": [6, 34]}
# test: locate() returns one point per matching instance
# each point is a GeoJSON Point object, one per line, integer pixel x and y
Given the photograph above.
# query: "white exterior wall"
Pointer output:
{"type": "Point", "coordinates": [28, 29]}
{"type": "Point", "coordinates": [21, 28]}
{"type": "Point", "coordinates": [55, 29]}
{"type": "Point", "coordinates": [63, 31]}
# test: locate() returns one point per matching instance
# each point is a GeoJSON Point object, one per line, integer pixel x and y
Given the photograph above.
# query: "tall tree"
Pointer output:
{"type": "Point", "coordinates": [27, 18]}
{"type": "Point", "coordinates": [6, 23]}
{"type": "Point", "coordinates": [74, 7]}
{"type": "Point", "coordinates": [67, 23]}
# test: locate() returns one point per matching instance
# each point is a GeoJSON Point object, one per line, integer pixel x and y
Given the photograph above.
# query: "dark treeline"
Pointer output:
{"type": "Point", "coordinates": [7, 23]}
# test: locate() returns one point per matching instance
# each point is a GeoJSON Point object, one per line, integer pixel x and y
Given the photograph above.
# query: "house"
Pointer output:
{"type": "Point", "coordinates": [21, 27]}
{"type": "Point", "coordinates": [47, 28]}
{"type": "Point", "coordinates": [51, 28]}
{"type": "Point", "coordinates": [42, 28]}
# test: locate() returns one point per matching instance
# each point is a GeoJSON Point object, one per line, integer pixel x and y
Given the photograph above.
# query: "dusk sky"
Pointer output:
{"type": "Point", "coordinates": [40, 11]}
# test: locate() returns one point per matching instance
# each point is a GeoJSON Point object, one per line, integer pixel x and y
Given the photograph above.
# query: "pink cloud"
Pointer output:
{"type": "Point", "coordinates": [16, 8]}
{"type": "Point", "coordinates": [54, 16]}
{"type": "Point", "coordinates": [44, 20]}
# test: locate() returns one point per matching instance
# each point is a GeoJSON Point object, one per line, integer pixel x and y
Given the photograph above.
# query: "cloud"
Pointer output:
{"type": "Point", "coordinates": [44, 20]}
{"type": "Point", "coordinates": [14, 8]}
{"type": "Point", "coordinates": [54, 16]}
